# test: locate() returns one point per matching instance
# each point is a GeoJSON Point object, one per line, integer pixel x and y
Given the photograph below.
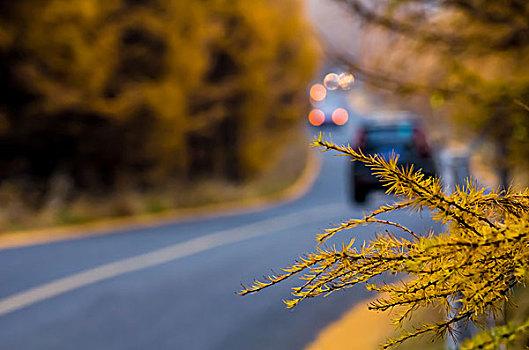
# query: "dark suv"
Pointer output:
{"type": "Point", "coordinates": [401, 134]}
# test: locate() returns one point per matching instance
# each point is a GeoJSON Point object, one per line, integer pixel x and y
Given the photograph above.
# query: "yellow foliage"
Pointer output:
{"type": "Point", "coordinates": [182, 77]}
{"type": "Point", "coordinates": [468, 271]}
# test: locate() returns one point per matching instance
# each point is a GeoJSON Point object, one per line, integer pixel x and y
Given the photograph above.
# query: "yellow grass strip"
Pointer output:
{"type": "Point", "coordinates": [358, 329]}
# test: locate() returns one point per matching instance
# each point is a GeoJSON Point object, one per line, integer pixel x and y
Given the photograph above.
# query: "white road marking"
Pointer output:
{"type": "Point", "coordinates": [164, 255]}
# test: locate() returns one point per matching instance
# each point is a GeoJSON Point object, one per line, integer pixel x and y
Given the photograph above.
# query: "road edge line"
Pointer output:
{"type": "Point", "coordinates": [160, 256]}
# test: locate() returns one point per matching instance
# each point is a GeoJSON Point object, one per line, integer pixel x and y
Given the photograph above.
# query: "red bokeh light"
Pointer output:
{"type": "Point", "coordinates": [340, 116]}
{"type": "Point", "coordinates": [316, 117]}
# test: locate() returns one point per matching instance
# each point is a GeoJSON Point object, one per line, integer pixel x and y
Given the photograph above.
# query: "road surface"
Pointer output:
{"type": "Point", "coordinates": [172, 286]}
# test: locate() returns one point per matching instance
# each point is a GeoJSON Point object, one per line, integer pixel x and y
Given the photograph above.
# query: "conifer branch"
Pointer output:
{"type": "Point", "coordinates": [484, 254]}
{"type": "Point", "coordinates": [389, 172]}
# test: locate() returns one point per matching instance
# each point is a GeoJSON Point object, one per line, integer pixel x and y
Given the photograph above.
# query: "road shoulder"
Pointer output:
{"type": "Point", "coordinates": [113, 225]}
{"type": "Point", "coordinates": [359, 328]}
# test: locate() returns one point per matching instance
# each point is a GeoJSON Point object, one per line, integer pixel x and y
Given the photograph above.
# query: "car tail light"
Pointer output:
{"type": "Point", "coordinates": [360, 138]}
{"type": "Point", "coordinates": [419, 138]}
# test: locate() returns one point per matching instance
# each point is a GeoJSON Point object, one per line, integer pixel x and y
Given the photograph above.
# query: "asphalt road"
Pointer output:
{"type": "Point", "coordinates": [172, 286]}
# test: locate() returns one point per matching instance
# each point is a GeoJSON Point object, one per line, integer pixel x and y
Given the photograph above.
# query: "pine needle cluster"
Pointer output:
{"type": "Point", "coordinates": [468, 272]}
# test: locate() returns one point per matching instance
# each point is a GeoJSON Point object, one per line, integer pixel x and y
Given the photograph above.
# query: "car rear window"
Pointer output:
{"type": "Point", "coordinates": [388, 140]}
{"type": "Point", "coordinates": [396, 134]}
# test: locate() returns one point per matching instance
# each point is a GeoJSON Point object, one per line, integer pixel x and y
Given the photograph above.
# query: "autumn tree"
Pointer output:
{"type": "Point", "coordinates": [149, 90]}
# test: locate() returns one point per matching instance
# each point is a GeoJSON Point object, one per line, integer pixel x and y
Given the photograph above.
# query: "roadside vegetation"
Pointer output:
{"type": "Point", "coordinates": [167, 198]}
{"type": "Point", "coordinates": [115, 107]}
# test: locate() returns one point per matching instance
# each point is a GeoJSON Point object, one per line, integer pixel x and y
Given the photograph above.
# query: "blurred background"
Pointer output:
{"type": "Point", "coordinates": [120, 107]}
{"type": "Point", "coordinates": [111, 108]}
{"type": "Point", "coordinates": [116, 108]}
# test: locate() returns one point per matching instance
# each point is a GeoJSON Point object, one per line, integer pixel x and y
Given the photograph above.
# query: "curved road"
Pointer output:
{"type": "Point", "coordinates": [172, 286]}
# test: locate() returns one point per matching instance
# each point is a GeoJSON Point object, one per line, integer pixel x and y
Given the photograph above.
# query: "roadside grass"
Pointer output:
{"type": "Point", "coordinates": [364, 329]}
{"type": "Point", "coordinates": [285, 169]}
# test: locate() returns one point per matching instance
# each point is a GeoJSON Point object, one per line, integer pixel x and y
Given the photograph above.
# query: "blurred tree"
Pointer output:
{"type": "Point", "coordinates": [107, 91]}
{"type": "Point", "coordinates": [466, 57]}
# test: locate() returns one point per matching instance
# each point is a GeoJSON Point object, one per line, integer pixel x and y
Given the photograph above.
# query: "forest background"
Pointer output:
{"type": "Point", "coordinates": [111, 108]}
